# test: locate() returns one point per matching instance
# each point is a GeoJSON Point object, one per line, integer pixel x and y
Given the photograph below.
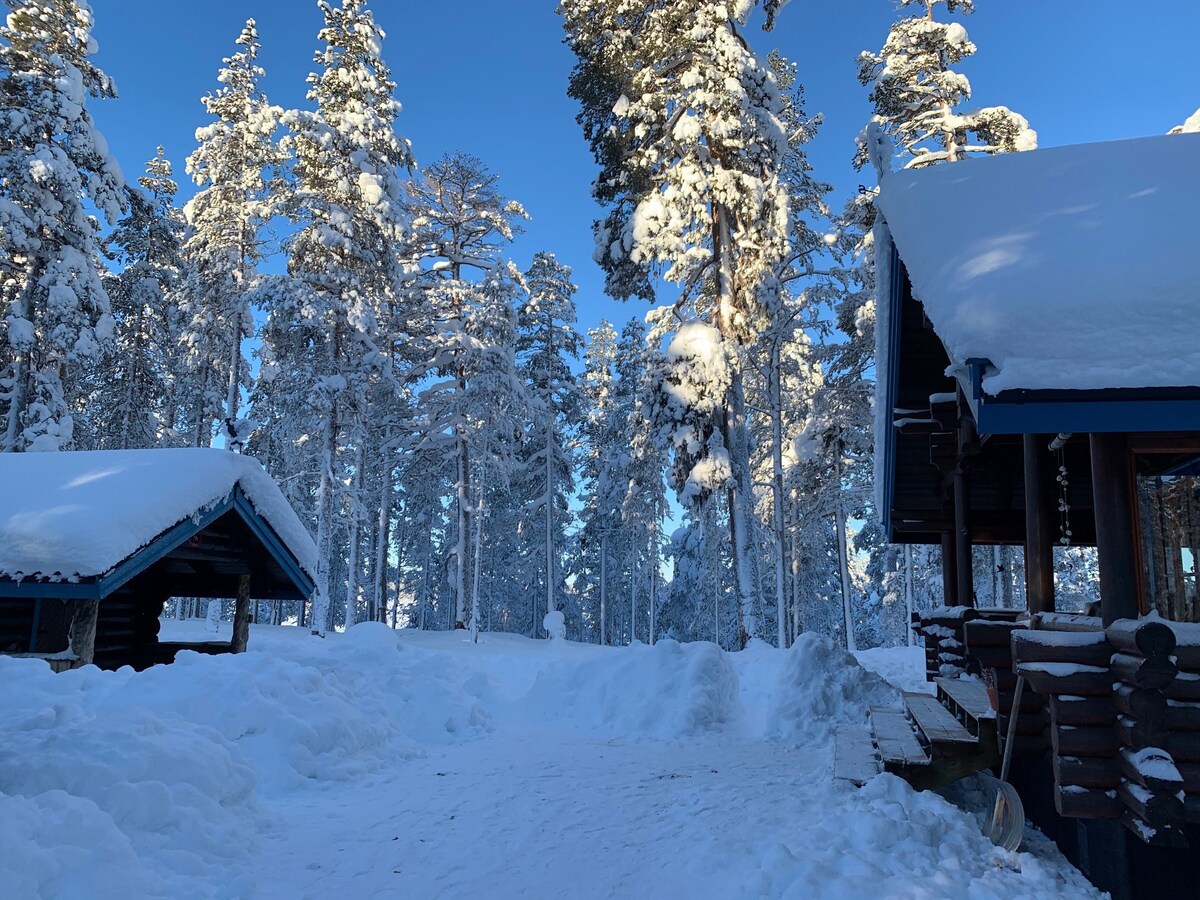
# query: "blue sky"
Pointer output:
{"type": "Point", "coordinates": [489, 77]}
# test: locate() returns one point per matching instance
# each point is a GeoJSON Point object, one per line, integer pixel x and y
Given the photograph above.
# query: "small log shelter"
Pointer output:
{"type": "Point", "coordinates": [1038, 353]}
{"type": "Point", "coordinates": [93, 544]}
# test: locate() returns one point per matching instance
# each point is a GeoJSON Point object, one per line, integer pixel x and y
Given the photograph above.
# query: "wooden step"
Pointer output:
{"type": "Point", "coordinates": [898, 743]}
{"type": "Point", "coordinates": [967, 700]}
{"type": "Point", "coordinates": [854, 755]}
{"type": "Point", "coordinates": [936, 722]}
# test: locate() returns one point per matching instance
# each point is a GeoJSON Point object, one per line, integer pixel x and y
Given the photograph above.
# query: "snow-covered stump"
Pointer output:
{"type": "Point", "coordinates": [556, 625]}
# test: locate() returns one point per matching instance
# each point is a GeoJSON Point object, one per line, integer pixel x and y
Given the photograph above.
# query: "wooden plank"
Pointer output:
{"type": "Point", "coordinates": [897, 741]}
{"type": "Point", "coordinates": [854, 756]}
{"type": "Point", "coordinates": [969, 696]}
{"type": "Point", "coordinates": [935, 721]}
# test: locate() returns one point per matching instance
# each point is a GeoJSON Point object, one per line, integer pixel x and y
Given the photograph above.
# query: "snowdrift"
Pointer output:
{"type": "Point", "coordinates": [665, 690]}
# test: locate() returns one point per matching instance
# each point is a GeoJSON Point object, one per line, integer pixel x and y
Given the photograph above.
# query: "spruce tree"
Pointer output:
{"type": "Point", "coordinates": [133, 399]}
{"type": "Point", "coordinates": [348, 163]}
{"type": "Point", "coordinates": [236, 168]}
{"type": "Point", "coordinates": [460, 223]}
{"type": "Point", "coordinates": [547, 345]}
{"type": "Point", "coordinates": [54, 311]}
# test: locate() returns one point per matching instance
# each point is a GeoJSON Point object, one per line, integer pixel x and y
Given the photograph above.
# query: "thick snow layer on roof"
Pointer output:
{"type": "Point", "coordinates": [1070, 268]}
{"type": "Point", "coordinates": [78, 514]}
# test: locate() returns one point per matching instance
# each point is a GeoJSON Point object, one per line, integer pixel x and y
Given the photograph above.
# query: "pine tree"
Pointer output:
{"type": "Point", "coordinates": [460, 223]}
{"type": "Point", "coordinates": [547, 344]}
{"type": "Point", "coordinates": [236, 167]}
{"type": "Point", "coordinates": [54, 312]}
{"type": "Point", "coordinates": [683, 120]}
{"type": "Point", "coordinates": [132, 402]}
{"type": "Point", "coordinates": [917, 96]}
{"type": "Point", "coordinates": [347, 196]}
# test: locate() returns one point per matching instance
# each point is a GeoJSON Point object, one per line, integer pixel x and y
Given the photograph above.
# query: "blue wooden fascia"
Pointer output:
{"type": "Point", "coordinates": [99, 588]}
{"type": "Point", "coordinates": [271, 541]}
{"type": "Point", "coordinates": [1085, 413]}
{"type": "Point", "coordinates": [895, 300]}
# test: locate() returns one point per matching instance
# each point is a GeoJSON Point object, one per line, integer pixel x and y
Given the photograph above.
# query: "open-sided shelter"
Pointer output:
{"type": "Point", "coordinates": [93, 543]}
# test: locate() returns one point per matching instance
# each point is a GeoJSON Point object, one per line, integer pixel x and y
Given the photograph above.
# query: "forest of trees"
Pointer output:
{"type": "Point", "coordinates": [461, 452]}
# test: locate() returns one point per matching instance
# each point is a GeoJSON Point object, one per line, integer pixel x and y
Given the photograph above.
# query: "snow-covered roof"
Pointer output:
{"type": "Point", "coordinates": [73, 515]}
{"type": "Point", "coordinates": [1070, 268]}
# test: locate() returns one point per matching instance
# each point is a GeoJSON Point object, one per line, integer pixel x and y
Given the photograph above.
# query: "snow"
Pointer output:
{"type": "Point", "coordinates": [902, 667]}
{"type": "Point", "coordinates": [382, 764]}
{"type": "Point", "coordinates": [78, 514]}
{"type": "Point", "coordinates": [1067, 268]}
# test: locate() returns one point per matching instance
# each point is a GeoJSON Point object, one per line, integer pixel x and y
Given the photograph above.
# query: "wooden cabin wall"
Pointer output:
{"type": "Point", "coordinates": [127, 630]}
{"type": "Point", "coordinates": [17, 621]}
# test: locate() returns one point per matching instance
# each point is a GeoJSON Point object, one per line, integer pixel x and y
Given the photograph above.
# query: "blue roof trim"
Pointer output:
{"type": "Point", "coordinates": [141, 560]}
{"type": "Point", "coordinates": [1077, 412]}
{"type": "Point", "coordinates": [892, 386]}
{"type": "Point", "coordinates": [271, 541]}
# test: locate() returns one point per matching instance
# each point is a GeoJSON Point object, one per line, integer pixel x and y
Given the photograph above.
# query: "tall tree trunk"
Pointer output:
{"type": "Point", "coordinates": [776, 393]}
{"type": "Point", "coordinates": [320, 611]}
{"type": "Point", "coordinates": [844, 566]}
{"type": "Point", "coordinates": [352, 573]}
{"type": "Point", "coordinates": [463, 502]}
{"type": "Point", "coordinates": [603, 588]}
{"type": "Point", "coordinates": [478, 550]}
{"type": "Point", "coordinates": [908, 593]}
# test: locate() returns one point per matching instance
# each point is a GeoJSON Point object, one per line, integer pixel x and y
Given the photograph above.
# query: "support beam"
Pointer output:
{"type": "Point", "coordinates": [1116, 529]}
{"type": "Point", "coordinates": [1039, 524]}
{"type": "Point", "coordinates": [965, 582]}
{"type": "Point", "coordinates": [83, 630]}
{"type": "Point", "coordinates": [241, 616]}
{"type": "Point", "coordinates": [949, 570]}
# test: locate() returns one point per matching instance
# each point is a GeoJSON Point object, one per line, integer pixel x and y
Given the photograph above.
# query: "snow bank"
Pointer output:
{"type": "Point", "coordinates": [818, 687]}
{"type": "Point", "coordinates": [78, 514]}
{"type": "Point", "coordinates": [886, 840]}
{"type": "Point", "coordinates": [665, 690]}
{"type": "Point", "coordinates": [162, 774]}
{"type": "Point", "coordinates": [901, 667]}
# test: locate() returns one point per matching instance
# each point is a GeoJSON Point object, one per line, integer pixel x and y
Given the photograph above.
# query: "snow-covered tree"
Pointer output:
{"type": "Point", "coordinates": [547, 344]}
{"type": "Point", "coordinates": [460, 224]}
{"type": "Point", "coordinates": [236, 168]}
{"type": "Point", "coordinates": [54, 312]}
{"type": "Point", "coordinates": [918, 97]}
{"type": "Point", "coordinates": [348, 162]}
{"type": "Point", "coordinates": [133, 400]}
{"type": "Point", "coordinates": [683, 119]}
{"type": "Point", "coordinates": [1191, 125]}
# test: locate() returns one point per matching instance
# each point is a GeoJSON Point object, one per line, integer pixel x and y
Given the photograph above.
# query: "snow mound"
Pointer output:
{"type": "Point", "coordinates": [556, 625]}
{"type": "Point", "coordinates": [116, 782]}
{"type": "Point", "coordinates": [819, 686]}
{"type": "Point", "coordinates": [887, 840]}
{"type": "Point", "coordinates": [665, 690]}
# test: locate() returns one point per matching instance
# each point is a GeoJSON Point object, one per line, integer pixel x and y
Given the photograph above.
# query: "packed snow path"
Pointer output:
{"type": "Point", "coordinates": [419, 765]}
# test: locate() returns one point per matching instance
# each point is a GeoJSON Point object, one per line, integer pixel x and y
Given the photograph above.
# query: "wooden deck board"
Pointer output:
{"type": "Point", "coordinates": [969, 696]}
{"type": "Point", "coordinates": [898, 743]}
{"type": "Point", "coordinates": [854, 755]}
{"type": "Point", "coordinates": [936, 722]}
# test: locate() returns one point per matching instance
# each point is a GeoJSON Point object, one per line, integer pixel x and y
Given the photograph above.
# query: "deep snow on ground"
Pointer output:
{"type": "Point", "coordinates": [418, 765]}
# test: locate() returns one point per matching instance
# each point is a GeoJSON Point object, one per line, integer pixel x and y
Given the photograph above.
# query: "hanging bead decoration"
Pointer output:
{"type": "Point", "coordinates": [1064, 506]}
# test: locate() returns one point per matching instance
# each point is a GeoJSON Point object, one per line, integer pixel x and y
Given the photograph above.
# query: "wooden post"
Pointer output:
{"type": "Point", "coordinates": [241, 616]}
{"type": "Point", "coordinates": [1039, 525]}
{"type": "Point", "coordinates": [965, 583]}
{"type": "Point", "coordinates": [83, 630]}
{"type": "Point", "coordinates": [1116, 529]}
{"type": "Point", "coordinates": [949, 570]}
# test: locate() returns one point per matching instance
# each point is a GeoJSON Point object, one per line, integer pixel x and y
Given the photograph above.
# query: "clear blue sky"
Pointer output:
{"type": "Point", "coordinates": [489, 77]}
